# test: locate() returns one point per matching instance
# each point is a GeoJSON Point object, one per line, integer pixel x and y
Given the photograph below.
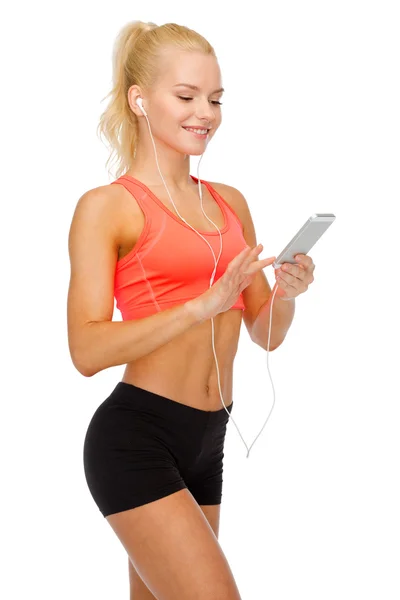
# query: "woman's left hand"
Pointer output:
{"type": "Point", "coordinates": [293, 280]}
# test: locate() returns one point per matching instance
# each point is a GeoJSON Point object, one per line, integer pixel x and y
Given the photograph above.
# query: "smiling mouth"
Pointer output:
{"type": "Point", "coordinates": [207, 131]}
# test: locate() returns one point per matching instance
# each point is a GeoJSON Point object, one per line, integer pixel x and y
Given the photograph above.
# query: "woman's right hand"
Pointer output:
{"type": "Point", "coordinates": [223, 294]}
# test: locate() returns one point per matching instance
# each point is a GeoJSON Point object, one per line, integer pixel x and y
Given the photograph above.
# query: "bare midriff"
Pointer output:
{"type": "Point", "coordinates": [184, 369]}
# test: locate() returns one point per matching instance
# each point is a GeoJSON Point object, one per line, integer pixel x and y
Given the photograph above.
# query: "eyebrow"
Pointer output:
{"type": "Point", "coordinates": [194, 87]}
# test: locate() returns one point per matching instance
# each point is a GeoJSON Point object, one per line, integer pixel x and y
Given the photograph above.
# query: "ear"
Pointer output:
{"type": "Point", "coordinates": [134, 93]}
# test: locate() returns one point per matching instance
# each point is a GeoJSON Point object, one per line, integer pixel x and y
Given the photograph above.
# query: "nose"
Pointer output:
{"type": "Point", "coordinates": [206, 113]}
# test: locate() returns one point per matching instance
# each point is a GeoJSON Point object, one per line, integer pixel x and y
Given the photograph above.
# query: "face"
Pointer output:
{"type": "Point", "coordinates": [171, 107]}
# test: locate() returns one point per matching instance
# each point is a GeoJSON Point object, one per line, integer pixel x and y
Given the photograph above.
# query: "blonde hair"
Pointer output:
{"type": "Point", "coordinates": [136, 54]}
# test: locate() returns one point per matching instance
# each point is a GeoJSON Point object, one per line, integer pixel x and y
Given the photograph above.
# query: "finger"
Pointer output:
{"type": "Point", "coordinates": [306, 262]}
{"type": "Point", "coordinates": [237, 262]}
{"type": "Point", "coordinates": [247, 258]}
{"type": "Point", "coordinates": [286, 285]}
{"type": "Point", "coordinates": [243, 254]}
{"type": "Point", "coordinates": [256, 266]}
{"type": "Point", "coordinates": [286, 278]}
{"type": "Point", "coordinates": [255, 252]}
{"type": "Point", "coordinates": [297, 275]}
{"type": "Point", "coordinates": [264, 262]}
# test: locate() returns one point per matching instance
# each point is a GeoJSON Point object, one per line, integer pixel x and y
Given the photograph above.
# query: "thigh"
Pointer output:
{"type": "Point", "coordinates": [174, 550]}
{"type": "Point", "coordinates": [212, 514]}
{"type": "Point", "coordinates": [138, 589]}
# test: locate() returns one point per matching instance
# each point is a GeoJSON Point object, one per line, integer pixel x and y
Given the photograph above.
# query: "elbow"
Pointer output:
{"type": "Point", "coordinates": [85, 370]}
{"type": "Point", "coordinates": [87, 373]}
{"type": "Point", "coordinates": [271, 349]}
{"type": "Point", "coordinates": [81, 365]}
{"type": "Point", "coordinates": [275, 346]}
{"type": "Point", "coordinates": [82, 369]}
{"type": "Point", "coordinates": [81, 354]}
{"type": "Point", "coordinates": [264, 346]}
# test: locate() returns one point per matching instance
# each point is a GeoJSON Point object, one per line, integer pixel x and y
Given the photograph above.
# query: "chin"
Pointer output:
{"type": "Point", "coordinates": [198, 153]}
{"type": "Point", "coordinates": [191, 151]}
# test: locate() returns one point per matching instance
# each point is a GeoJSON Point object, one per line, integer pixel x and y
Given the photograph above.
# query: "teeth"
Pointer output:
{"type": "Point", "coordinates": [196, 130]}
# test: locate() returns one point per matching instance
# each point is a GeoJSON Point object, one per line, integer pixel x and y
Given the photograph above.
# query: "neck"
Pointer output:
{"type": "Point", "coordinates": [174, 166]}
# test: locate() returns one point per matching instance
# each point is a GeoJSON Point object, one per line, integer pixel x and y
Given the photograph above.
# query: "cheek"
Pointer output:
{"type": "Point", "coordinates": [170, 115]}
{"type": "Point", "coordinates": [177, 112]}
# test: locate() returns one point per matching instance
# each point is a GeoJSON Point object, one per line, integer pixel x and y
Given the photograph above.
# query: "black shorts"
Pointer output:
{"type": "Point", "coordinates": [140, 446]}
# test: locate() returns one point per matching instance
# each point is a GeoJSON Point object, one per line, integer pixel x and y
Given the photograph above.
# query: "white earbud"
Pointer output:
{"type": "Point", "coordinates": [139, 102]}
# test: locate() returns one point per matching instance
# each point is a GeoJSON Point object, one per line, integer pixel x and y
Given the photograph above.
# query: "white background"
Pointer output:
{"type": "Point", "coordinates": [311, 123]}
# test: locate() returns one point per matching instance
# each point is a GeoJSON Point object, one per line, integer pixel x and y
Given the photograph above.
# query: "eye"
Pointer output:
{"type": "Point", "coordinates": [212, 102]}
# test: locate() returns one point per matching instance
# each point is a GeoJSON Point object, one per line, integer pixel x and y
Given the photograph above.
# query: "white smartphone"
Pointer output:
{"type": "Point", "coordinates": [305, 238]}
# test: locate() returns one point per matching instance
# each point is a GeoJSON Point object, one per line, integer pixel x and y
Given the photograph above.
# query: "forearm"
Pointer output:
{"type": "Point", "coordinates": [111, 343]}
{"type": "Point", "coordinates": [282, 317]}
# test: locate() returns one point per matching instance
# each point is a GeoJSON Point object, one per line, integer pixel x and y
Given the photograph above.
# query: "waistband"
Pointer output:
{"type": "Point", "coordinates": [145, 399]}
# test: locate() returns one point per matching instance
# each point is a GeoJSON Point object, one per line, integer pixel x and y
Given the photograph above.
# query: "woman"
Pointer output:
{"type": "Point", "coordinates": [153, 451]}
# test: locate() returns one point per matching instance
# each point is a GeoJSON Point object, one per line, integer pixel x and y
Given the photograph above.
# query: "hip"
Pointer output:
{"type": "Point", "coordinates": [140, 423]}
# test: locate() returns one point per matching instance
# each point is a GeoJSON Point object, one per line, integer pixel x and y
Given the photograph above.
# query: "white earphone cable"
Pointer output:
{"type": "Point", "coordinates": [139, 102]}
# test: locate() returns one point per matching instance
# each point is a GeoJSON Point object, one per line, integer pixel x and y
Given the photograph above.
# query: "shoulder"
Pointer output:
{"type": "Point", "coordinates": [229, 193]}
{"type": "Point", "coordinates": [239, 204]}
{"type": "Point", "coordinates": [100, 207]}
{"type": "Point", "coordinates": [102, 197]}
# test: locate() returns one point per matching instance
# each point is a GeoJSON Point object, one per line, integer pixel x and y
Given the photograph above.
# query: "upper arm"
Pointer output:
{"type": "Point", "coordinates": [259, 290]}
{"type": "Point", "coordinates": [93, 253]}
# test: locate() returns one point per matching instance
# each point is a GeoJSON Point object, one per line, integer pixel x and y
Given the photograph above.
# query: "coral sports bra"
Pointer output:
{"type": "Point", "coordinates": [170, 263]}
